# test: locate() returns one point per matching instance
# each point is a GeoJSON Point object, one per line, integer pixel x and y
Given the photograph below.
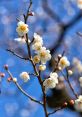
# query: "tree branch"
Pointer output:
{"type": "Point", "coordinates": [60, 108]}
{"type": "Point", "coordinates": [20, 88]}
{"type": "Point", "coordinates": [67, 76]}
{"type": "Point", "coordinates": [17, 54]}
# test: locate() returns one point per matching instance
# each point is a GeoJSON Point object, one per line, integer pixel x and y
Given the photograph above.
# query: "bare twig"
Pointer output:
{"type": "Point", "coordinates": [14, 53]}
{"type": "Point", "coordinates": [25, 21]}
{"type": "Point", "coordinates": [27, 14]}
{"type": "Point", "coordinates": [60, 108]}
{"type": "Point", "coordinates": [20, 88]}
{"type": "Point", "coordinates": [66, 77]}
{"type": "Point", "coordinates": [70, 84]}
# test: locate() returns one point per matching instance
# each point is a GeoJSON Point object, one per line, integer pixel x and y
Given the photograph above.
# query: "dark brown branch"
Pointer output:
{"type": "Point", "coordinates": [60, 108]}
{"type": "Point", "coordinates": [25, 21]}
{"type": "Point", "coordinates": [27, 14]}
{"type": "Point", "coordinates": [34, 66]}
{"type": "Point", "coordinates": [17, 54]}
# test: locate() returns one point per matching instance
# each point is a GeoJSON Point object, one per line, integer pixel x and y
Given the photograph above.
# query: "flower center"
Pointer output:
{"type": "Point", "coordinates": [43, 54]}
{"type": "Point", "coordinates": [23, 28]}
{"type": "Point", "coordinates": [63, 62]}
{"type": "Point", "coordinates": [49, 82]}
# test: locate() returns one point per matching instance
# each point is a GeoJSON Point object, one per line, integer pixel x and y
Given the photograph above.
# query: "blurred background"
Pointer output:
{"type": "Point", "coordinates": [58, 22]}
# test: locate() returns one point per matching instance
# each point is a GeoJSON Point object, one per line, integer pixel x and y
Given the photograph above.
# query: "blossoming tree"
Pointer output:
{"type": "Point", "coordinates": [38, 56]}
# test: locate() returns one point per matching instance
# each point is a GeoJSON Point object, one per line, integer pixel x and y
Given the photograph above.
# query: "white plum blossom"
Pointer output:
{"type": "Point", "coordinates": [63, 63]}
{"type": "Point", "coordinates": [78, 104]}
{"type": "Point", "coordinates": [51, 82]}
{"type": "Point", "coordinates": [37, 46]}
{"type": "Point", "coordinates": [22, 28]}
{"type": "Point", "coordinates": [79, 4]}
{"type": "Point", "coordinates": [36, 59]}
{"type": "Point", "coordinates": [80, 80]}
{"type": "Point", "coordinates": [44, 55]}
{"type": "Point", "coordinates": [38, 39]}
{"type": "Point", "coordinates": [20, 40]}
{"type": "Point", "coordinates": [25, 76]}
{"type": "Point", "coordinates": [42, 67]}
{"type": "Point", "coordinates": [70, 72]}
{"type": "Point", "coordinates": [77, 64]}
{"type": "Point", "coordinates": [37, 43]}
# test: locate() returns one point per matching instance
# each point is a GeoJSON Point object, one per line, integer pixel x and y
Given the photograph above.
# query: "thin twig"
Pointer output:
{"type": "Point", "coordinates": [67, 77]}
{"type": "Point", "coordinates": [25, 21]}
{"type": "Point", "coordinates": [60, 108]}
{"type": "Point", "coordinates": [14, 53]}
{"type": "Point", "coordinates": [32, 41]}
{"type": "Point", "coordinates": [20, 88]}
{"type": "Point", "coordinates": [31, 98]}
{"type": "Point", "coordinates": [33, 74]}
{"type": "Point", "coordinates": [27, 14]}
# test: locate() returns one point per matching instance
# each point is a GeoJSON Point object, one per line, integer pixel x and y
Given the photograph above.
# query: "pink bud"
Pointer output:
{"type": "Point", "coordinates": [31, 13]}
{"type": "Point", "coordinates": [9, 79]}
{"type": "Point", "coordinates": [65, 104]}
{"type": "Point", "coordinates": [71, 102]}
{"type": "Point", "coordinates": [2, 75]}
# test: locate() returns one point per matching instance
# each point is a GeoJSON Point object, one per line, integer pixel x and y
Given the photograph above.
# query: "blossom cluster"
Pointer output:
{"type": "Point", "coordinates": [41, 53]}
{"type": "Point", "coordinates": [52, 81]}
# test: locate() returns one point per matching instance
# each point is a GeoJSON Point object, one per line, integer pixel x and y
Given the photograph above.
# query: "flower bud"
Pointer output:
{"type": "Point", "coordinates": [70, 72]}
{"type": "Point", "coordinates": [42, 67]}
{"type": "Point", "coordinates": [59, 56]}
{"type": "Point", "coordinates": [2, 75]}
{"type": "Point", "coordinates": [31, 14]}
{"type": "Point", "coordinates": [9, 79]}
{"type": "Point", "coordinates": [71, 102]}
{"type": "Point", "coordinates": [6, 67]}
{"type": "Point", "coordinates": [14, 80]}
{"type": "Point", "coordinates": [65, 104]}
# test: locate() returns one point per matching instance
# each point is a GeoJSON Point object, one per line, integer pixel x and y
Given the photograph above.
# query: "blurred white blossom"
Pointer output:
{"type": "Point", "coordinates": [70, 72]}
{"type": "Point", "coordinates": [37, 46]}
{"type": "Point", "coordinates": [64, 62]}
{"type": "Point", "coordinates": [79, 4]}
{"type": "Point", "coordinates": [80, 80]}
{"type": "Point", "coordinates": [78, 104]}
{"type": "Point", "coordinates": [20, 40]}
{"type": "Point", "coordinates": [38, 38]}
{"type": "Point", "coordinates": [77, 64]}
{"type": "Point", "coordinates": [25, 76]}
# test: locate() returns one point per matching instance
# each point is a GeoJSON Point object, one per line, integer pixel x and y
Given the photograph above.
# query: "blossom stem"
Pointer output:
{"type": "Point", "coordinates": [28, 46]}
{"type": "Point", "coordinates": [67, 79]}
